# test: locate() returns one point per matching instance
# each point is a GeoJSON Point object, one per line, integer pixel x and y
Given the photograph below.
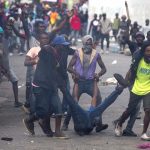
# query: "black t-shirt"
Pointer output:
{"type": "Point", "coordinates": [62, 69]}
{"type": "Point", "coordinates": [45, 73]}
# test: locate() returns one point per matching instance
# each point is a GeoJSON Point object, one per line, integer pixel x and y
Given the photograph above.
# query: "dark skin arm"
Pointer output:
{"type": "Point", "coordinates": [90, 27]}
{"type": "Point", "coordinates": [103, 68]}
{"type": "Point", "coordinates": [70, 68]}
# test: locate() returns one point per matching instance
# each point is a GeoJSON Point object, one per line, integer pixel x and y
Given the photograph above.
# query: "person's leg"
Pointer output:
{"type": "Point", "coordinates": [111, 98]}
{"type": "Point", "coordinates": [29, 78]}
{"type": "Point", "coordinates": [133, 103]}
{"type": "Point", "coordinates": [107, 40]}
{"type": "Point", "coordinates": [102, 41]}
{"type": "Point", "coordinates": [56, 107]}
{"type": "Point", "coordinates": [64, 103]}
{"type": "Point", "coordinates": [46, 127]}
{"type": "Point", "coordinates": [92, 89]}
{"type": "Point", "coordinates": [80, 117]}
{"type": "Point", "coordinates": [106, 103]}
{"type": "Point", "coordinates": [14, 80]}
{"type": "Point", "coordinates": [146, 121]}
{"type": "Point", "coordinates": [76, 94]}
{"type": "Point", "coordinates": [128, 130]}
{"type": "Point", "coordinates": [41, 108]}
{"type": "Point", "coordinates": [21, 49]}
{"type": "Point", "coordinates": [15, 91]}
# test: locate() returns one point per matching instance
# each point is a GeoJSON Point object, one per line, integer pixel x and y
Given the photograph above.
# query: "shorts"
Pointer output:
{"type": "Point", "coordinates": [146, 101]}
{"type": "Point", "coordinates": [46, 102]}
{"type": "Point", "coordinates": [55, 104]}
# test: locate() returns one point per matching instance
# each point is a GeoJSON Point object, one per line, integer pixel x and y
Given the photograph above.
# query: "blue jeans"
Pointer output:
{"type": "Point", "coordinates": [84, 121]}
{"type": "Point", "coordinates": [64, 102]}
{"type": "Point", "coordinates": [86, 86]}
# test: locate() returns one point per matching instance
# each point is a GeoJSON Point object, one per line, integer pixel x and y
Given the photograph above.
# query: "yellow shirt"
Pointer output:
{"type": "Point", "coordinates": [142, 82]}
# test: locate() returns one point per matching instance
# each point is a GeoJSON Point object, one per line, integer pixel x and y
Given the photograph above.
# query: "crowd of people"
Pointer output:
{"type": "Point", "coordinates": [46, 35]}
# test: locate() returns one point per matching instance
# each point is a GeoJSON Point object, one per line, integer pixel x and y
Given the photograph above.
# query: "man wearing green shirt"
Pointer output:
{"type": "Point", "coordinates": [140, 91]}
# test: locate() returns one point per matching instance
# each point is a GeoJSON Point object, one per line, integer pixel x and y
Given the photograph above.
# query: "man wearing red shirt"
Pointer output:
{"type": "Point", "coordinates": [75, 24]}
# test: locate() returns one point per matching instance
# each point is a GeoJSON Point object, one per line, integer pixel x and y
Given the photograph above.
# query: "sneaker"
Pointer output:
{"type": "Point", "coordinates": [129, 133]}
{"type": "Point", "coordinates": [29, 126]}
{"type": "Point", "coordinates": [145, 137]}
{"type": "Point", "coordinates": [10, 54]}
{"type": "Point", "coordinates": [121, 80]}
{"type": "Point", "coordinates": [118, 130]}
{"type": "Point", "coordinates": [64, 127]}
{"type": "Point", "coordinates": [102, 127]}
{"type": "Point", "coordinates": [21, 53]}
{"type": "Point", "coordinates": [17, 104]}
{"type": "Point", "coordinates": [45, 129]}
{"type": "Point", "coordinates": [60, 136]}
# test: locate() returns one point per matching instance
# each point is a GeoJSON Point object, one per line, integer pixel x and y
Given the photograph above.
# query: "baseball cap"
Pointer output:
{"type": "Point", "coordinates": [60, 40]}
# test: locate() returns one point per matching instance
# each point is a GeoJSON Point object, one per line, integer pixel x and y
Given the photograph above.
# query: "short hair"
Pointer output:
{"type": "Point", "coordinates": [145, 45]}
{"type": "Point", "coordinates": [37, 23]}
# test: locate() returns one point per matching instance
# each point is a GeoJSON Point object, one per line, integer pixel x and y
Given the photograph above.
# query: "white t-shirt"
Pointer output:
{"type": "Point", "coordinates": [145, 29]}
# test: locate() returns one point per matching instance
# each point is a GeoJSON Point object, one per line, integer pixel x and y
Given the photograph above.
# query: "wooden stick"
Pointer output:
{"type": "Point", "coordinates": [127, 9]}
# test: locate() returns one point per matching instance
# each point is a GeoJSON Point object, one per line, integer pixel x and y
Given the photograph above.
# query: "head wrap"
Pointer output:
{"type": "Point", "coordinates": [86, 38]}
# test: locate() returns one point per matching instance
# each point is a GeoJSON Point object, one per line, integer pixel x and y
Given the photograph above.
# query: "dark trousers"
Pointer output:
{"type": "Point", "coordinates": [84, 120]}
{"type": "Point", "coordinates": [134, 101]}
{"type": "Point", "coordinates": [104, 36]}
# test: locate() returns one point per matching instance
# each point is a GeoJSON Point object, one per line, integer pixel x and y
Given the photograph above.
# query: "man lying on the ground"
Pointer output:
{"type": "Point", "coordinates": [85, 121]}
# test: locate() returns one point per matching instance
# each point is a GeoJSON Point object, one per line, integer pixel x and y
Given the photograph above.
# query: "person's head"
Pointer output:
{"type": "Point", "coordinates": [135, 24]}
{"type": "Point", "coordinates": [60, 42]}
{"type": "Point", "coordinates": [40, 27]}
{"type": "Point", "coordinates": [44, 39]}
{"type": "Point", "coordinates": [117, 15]}
{"type": "Point", "coordinates": [146, 52]}
{"type": "Point", "coordinates": [100, 16]}
{"type": "Point", "coordinates": [147, 22]}
{"type": "Point", "coordinates": [95, 16]}
{"type": "Point", "coordinates": [148, 35]}
{"type": "Point", "coordinates": [8, 29]}
{"type": "Point", "coordinates": [139, 37]}
{"type": "Point", "coordinates": [104, 16]}
{"type": "Point", "coordinates": [123, 17]}
{"type": "Point", "coordinates": [87, 42]}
